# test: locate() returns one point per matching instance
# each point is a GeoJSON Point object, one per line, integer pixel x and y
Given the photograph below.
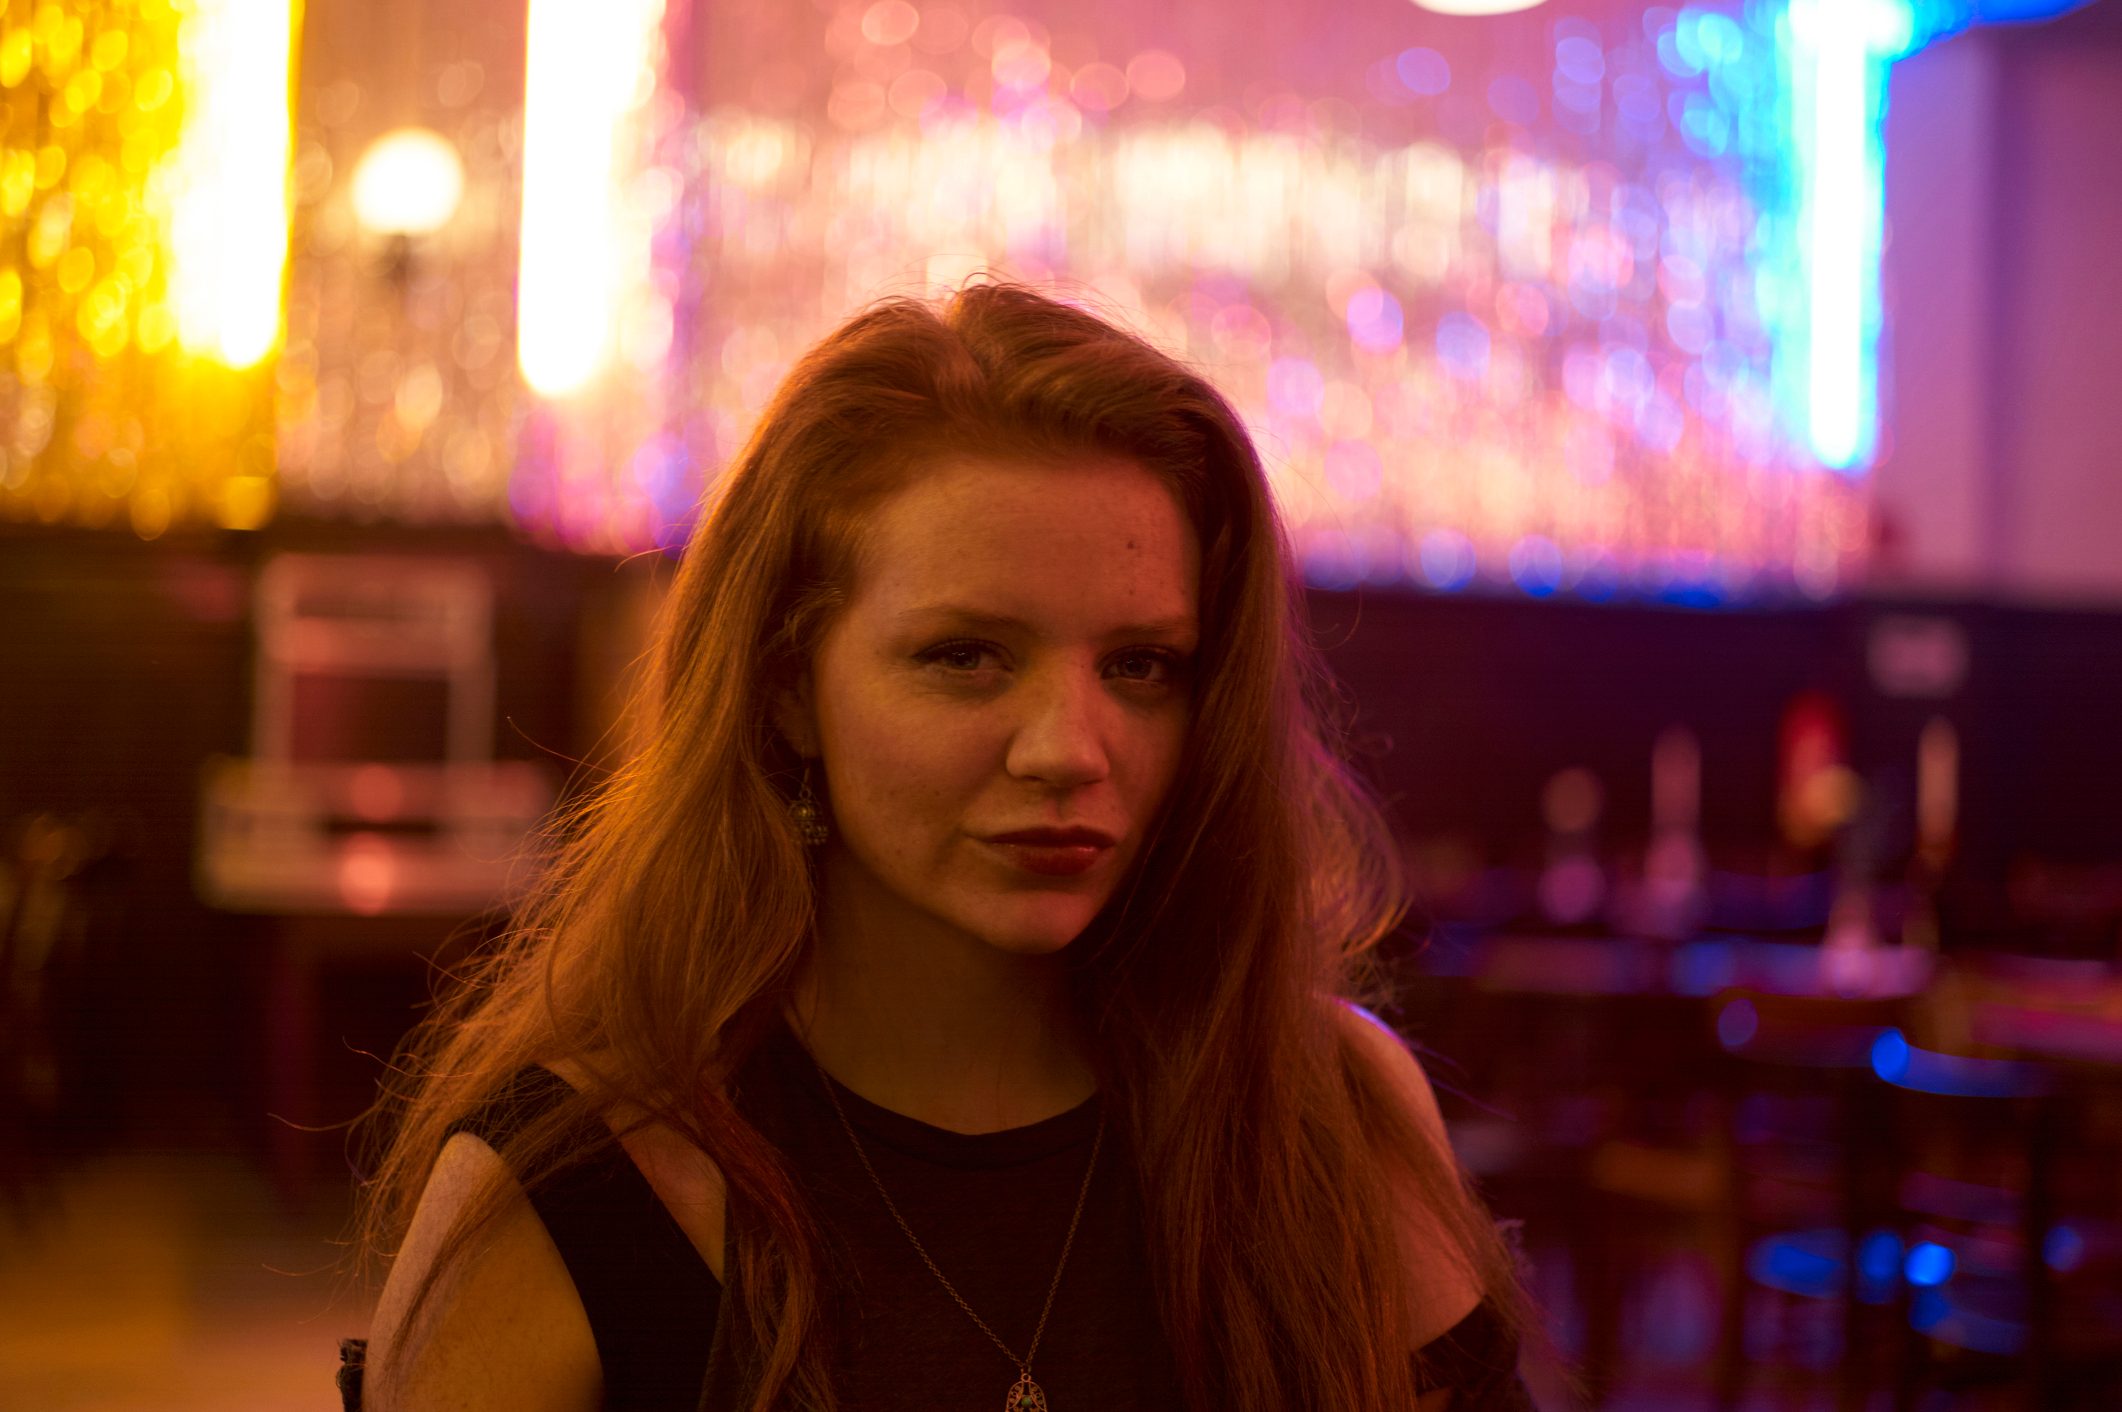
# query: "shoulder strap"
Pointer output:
{"type": "Point", "coordinates": [650, 1298]}
{"type": "Point", "coordinates": [1478, 1360]}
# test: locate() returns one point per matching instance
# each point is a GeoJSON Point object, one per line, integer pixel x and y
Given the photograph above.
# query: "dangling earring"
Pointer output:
{"type": "Point", "coordinates": [807, 813]}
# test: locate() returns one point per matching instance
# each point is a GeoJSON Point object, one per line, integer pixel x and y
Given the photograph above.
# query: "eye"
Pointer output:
{"type": "Point", "coordinates": [1152, 666]}
{"type": "Point", "coordinates": [961, 656]}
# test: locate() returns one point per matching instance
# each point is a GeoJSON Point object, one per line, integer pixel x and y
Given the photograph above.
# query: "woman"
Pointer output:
{"type": "Point", "coordinates": [962, 960]}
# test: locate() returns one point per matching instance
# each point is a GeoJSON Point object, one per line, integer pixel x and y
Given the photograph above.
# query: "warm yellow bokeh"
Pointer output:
{"type": "Point", "coordinates": [142, 242]}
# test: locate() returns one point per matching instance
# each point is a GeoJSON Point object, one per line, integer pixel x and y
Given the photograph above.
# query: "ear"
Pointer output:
{"type": "Point", "coordinates": [794, 716]}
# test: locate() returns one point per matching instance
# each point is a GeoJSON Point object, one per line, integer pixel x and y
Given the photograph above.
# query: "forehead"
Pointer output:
{"type": "Point", "coordinates": [1056, 541]}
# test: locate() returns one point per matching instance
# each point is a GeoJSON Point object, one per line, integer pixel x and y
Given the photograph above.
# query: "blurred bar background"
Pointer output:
{"type": "Point", "coordinates": [1697, 426]}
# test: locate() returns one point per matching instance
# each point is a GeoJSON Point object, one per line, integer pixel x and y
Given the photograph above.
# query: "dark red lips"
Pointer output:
{"type": "Point", "coordinates": [1053, 852]}
{"type": "Point", "coordinates": [1056, 838]}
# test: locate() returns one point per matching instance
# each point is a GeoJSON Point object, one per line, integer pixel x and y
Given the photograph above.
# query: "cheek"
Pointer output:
{"type": "Point", "coordinates": [901, 778]}
{"type": "Point", "coordinates": [1169, 748]}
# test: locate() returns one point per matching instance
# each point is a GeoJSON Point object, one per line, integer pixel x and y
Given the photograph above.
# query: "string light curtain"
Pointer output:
{"type": "Point", "coordinates": [1501, 315]}
{"type": "Point", "coordinates": [142, 243]}
{"type": "Point", "coordinates": [1571, 309]}
{"type": "Point", "coordinates": [398, 394]}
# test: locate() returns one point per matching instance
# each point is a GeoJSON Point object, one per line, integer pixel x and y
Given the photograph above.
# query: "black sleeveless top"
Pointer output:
{"type": "Point", "coordinates": [992, 1210]}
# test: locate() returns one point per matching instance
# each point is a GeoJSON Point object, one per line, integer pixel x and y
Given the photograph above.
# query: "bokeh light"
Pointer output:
{"type": "Point", "coordinates": [1532, 355]}
{"type": "Point", "coordinates": [591, 71]}
{"type": "Point", "coordinates": [228, 226]}
{"type": "Point", "coordinates": [1521, 323]}
{"type": "Point", "coordinates": [408, 183]}
{"type": "Point", "coordinates": [140, 286]}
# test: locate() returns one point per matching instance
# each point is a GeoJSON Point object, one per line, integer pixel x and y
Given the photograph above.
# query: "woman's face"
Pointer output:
{"type": "Point", "coordinates": [1016, 657]}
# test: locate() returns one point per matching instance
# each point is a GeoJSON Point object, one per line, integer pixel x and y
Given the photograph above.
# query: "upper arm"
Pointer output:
{"type": "Point", "coordinates": [503, 1328]}
{"type": "Point", "coordinates": [1442, 1290]}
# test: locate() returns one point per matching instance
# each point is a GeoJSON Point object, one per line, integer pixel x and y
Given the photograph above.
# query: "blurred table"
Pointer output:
{"type": "Point", "coordinates": [1604, 1048]}
{"type": "Point", "coordinates": [1621, 966]}
{"type": "Point", "coordinates": [1625, 1081]}
{"type": "Point", "coordinates": [2066, 1013]}
{"type": "Point", "coordinates": [2059, 1036]}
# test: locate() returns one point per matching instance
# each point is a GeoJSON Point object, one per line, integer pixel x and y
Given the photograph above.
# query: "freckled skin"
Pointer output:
{"type": "Point", "coordinates": [1065, 718]}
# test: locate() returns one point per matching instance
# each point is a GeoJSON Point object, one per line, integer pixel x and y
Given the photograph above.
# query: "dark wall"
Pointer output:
{"type": "Point", "coordinates": [1475, 702]}
{"type": "Point", "coordinates": [123, 668]}
{"type": "Point", "coordinates": [1465, 706]}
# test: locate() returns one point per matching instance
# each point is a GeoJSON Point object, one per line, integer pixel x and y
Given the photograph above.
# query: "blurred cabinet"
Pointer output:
{"type": "Point", "coordinates": [371, 815]}
{"type": "Point", "coordinates": [371, 787]}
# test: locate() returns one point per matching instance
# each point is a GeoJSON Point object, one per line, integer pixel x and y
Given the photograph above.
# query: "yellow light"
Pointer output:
{"type": "Point", "coordinates": [33, 350]}
{"type": "Point", "coordinates": [16, 50]}
{"type": "Point", "coordinates": [48, 233]}
{"type": "Point", "coordinates": [583, 80]}
{"type": "Point", "coordinates": [228, 225]}
{"type": "Point", "coordinates": [113, 424]}
{"type": "Point", "coordinates": [18, 181]}
{"type": "Point", "coordinates": [246, 502]}
{"type": "Point", "coordinates": [157, 327]}
{"type": "Point", "coordinates": [108, 52]}
{"type": "Point", "coordinates": [151, 512]}
{"type": "Point", "coordinates": [83, 89]}
{"type": "Point", "coordinates": [94, 178]}
{"type": "Point", "coordinates": [155, 87]}
{"type": "Point", "coordinates": [76, 268]}
{"type": "Point", "coordinates": [101, 318]}
{"type": "Point", "coordinates": [408, 183]}
{"type": "Point", "coordinates": [60, 35]}
{"type": "Point", "coordinates": [10, 303]}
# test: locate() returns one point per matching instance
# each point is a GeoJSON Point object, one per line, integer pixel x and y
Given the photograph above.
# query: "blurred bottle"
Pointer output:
{"type": "Point", "coordinates": [1816, 791]}
{"type": "Point", "coordinates": [1937, 824]}
{"type": "Point", "coordinates": [1673, 900]}
{"type": "Point", "coordinates": [1572, 889]}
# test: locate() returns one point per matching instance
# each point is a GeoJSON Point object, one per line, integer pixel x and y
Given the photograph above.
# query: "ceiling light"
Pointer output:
{"type": "Point", "coordinates": [408, 183]}
{"type": "Point", "coordinates": [1475, 7]}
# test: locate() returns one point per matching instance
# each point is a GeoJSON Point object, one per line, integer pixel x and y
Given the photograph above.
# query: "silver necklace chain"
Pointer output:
{"type": "Point", "coordinates": [1024, 1364]}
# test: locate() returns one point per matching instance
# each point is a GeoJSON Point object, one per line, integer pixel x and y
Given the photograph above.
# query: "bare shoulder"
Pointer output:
{"type": "Point", "coordinates": [1397, 1063]}
{"type": "Point", "coordinates": [1444, 1290]}
{"type": "Point", "coordinates": [504, 1328]}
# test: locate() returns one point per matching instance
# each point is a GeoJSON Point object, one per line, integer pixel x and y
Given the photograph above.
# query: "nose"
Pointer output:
{"type": "Point", "coordinates": [1059, 738]}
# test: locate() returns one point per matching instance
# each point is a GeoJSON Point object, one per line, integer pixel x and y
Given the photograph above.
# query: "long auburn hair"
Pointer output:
{"type": "Point", "coordinates": [667, 931]}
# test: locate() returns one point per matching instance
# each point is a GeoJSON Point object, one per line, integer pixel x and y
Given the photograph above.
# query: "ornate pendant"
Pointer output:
{"type": "Point", "coordinates": [810, 825]}
{"type": "Point", "coordinates": [1026, 1396]}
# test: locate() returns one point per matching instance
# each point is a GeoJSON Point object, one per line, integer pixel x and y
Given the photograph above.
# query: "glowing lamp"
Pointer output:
{"type": "Point", "coordinates": [1476, 7]}
{"type": "Point", "coordinates": [408, 183]}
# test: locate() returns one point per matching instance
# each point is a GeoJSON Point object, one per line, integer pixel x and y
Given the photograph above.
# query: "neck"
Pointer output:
{"type": "Point", "coordinates": [928, 1021]}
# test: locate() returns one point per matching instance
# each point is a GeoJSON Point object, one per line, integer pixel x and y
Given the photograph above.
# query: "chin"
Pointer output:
{"type": "Point", "coordinates": [1033, 931]}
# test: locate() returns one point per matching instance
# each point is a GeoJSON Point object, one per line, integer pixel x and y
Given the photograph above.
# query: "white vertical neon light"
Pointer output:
{"type": "Point", "coordinates": [585, 75]}
{"type": "Point", "coordinates": [228, 203]}
{"type": "Point", "coordinates": [1839, 51]}
{"type": "Point", "coordinates": [1840, 211]}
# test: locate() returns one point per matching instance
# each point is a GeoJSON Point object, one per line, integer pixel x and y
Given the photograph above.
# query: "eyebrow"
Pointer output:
{"type": "Point", "coordinates": [1003, 622]}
